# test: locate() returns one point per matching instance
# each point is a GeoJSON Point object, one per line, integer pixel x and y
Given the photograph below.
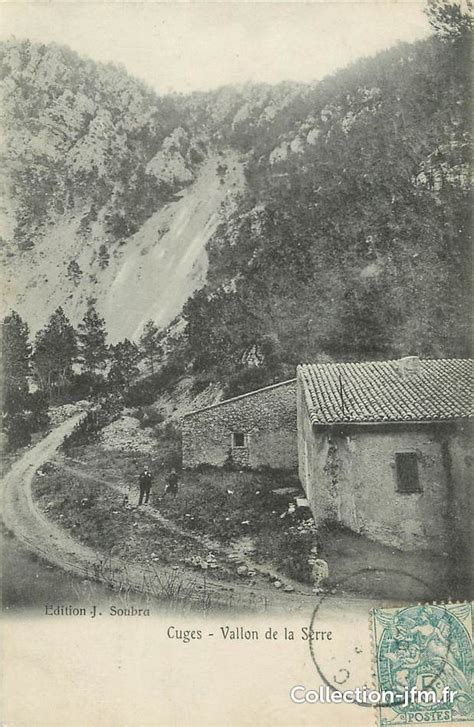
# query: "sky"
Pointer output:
{"type": "Point", "coordinates": [188, 46]}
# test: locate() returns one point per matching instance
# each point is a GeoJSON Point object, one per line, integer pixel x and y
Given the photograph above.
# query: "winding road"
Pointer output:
{"type": "Point", "coordinates": [42, 536]}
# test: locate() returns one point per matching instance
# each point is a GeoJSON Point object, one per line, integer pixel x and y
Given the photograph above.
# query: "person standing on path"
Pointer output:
{"type": "Point", "coordinates": [172, 483]}
{"type": "Point", "coordinates": [145, 486]}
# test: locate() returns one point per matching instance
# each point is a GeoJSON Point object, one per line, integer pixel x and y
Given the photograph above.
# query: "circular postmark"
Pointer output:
{"type": "Point", "coordinates": [336, 676]}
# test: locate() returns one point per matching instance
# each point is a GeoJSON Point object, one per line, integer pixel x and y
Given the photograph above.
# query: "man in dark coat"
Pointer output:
{"type": "Point", "coordinates": [145, 485]}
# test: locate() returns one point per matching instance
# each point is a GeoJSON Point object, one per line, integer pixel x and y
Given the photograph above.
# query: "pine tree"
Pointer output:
{"type": "Point", "coordinates": [16, 350]}
{"type": "Point", "coordinates": [74, 272]}
{"type": "Point", "coordinates": [93, 349]}
{"type": "Point", "coordinates": [23, 412]}
{"type": "Point", "coordinates": [55, 353]}
{"type": "Point", "coordinates": [125, 357]}
{"type": "Point", "coordinates": [450, 21]}
{"type": "Point", "coordinates": [149, 344]}
{"type": "Point", "coordinates": [104, 257]}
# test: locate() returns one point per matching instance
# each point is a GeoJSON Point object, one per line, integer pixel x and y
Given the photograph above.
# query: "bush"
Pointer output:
{"type": "Point", "coordinates": [297, 543]}
{"type": "Point", "coordinates": [21, 424]}
{"type": "Point", "coordinates": [149, 416]}
{"type": "Point", "coordinates": [89, 428]}
{"type": "Point", "coordinates": [18, 429]}
{"type": "Point", "coordinates": [147, 390]}
{"type": "Point", "coordinates": [172, 431]}
{"type": "Point", "coordinates": [85, 385]}
{"type": "Point", "coordinates": [38, 403]}
{"type": "Point", "coordinates": [251, 379]}
{"type": "Point", "coordinates": [291, 548]}
{"type": "Point", "coordinates": [201, 382]}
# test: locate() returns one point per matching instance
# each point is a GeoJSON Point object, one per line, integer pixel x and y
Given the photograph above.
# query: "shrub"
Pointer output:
{"type": "Point", "coordinates": [89, 428]}
{"type": "Point", "coordinates": [250, 379]}
{"type": "Point", "coordinates": [149, 416]}
{"type": "Point", "coordinates": [290, 548]}
{"type": "Point", "coordinates": [172, 432]}
{"type": "Point", "coordinates": [147, 390]}
{"type": "Point", "coordinates": [18, 429]}
{"type": "Point", "coordinates": [85, 385]}
{"type": "Point", "coordinates": [298, 541]}
{"type": "Point", "coordinates": [201, 382]}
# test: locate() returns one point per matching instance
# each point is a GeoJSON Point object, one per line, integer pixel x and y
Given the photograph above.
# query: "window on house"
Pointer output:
{"type": "Point", "coordinates": [238, 439]}
{"type": "Point", "coordinates": [407, 472]}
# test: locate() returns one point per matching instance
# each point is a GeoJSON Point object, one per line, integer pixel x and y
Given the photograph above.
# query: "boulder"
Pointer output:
{"type": "Point", "coordinates": [319, 570]}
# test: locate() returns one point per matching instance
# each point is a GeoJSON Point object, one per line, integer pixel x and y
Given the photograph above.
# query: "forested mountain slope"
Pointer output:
{"type": "Point", "coordinates": [353, 239]}
{"type": "Point", "coordinates": [305, 221]}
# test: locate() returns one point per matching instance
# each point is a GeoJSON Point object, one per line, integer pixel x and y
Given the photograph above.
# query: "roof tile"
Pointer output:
{"type": "Point", "coordinates": [440, 389]}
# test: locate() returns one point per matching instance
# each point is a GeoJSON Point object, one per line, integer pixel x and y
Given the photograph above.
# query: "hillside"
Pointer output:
{"type": "Point", "coordinates": [149, 276]}
{"type": "Point", "coordinates": [294, 222]}
{"type": "Point", "coordinates": [353, 240]}
{"type": "Point", "coordinates": [105, 194]}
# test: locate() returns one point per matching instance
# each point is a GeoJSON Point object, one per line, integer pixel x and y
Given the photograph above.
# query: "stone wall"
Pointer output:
{"type": "Point", "coordinates": [266, 418]}
{"type": "Point", "coordinates": [461, 466]}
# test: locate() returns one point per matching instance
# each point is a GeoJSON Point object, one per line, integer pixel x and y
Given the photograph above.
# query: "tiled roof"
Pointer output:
{"type": "Point", "coordinates": [384, 391]}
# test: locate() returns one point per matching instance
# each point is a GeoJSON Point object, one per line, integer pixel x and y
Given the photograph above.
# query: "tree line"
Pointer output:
{"type": "Point", "coordinates": [63, 364]}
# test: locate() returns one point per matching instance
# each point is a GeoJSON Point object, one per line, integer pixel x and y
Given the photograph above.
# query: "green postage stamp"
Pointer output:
{"type": "Point", "coordinates": [423, 664]}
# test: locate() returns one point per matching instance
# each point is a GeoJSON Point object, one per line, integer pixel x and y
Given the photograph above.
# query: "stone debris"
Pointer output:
{"type": "Point", "coordinates": [319, 569]}
{"type": "Point", "coordinates": [277, 584]}
{"type": "Point", "coordinates": [59, 414]}
{"type": "Point", "coordinates": [242, 570]}
{"type": "Point", "coordinates": [302, 502]}
{"type": "Point", "coordinates": [288, 589]}
{"type": "Point", "coordinates": [196, 561]}
{"type": "Point", "coordinates": [126, 434]}
{"type": "Point", "coordinates": [290, 511]}
{"type": "Point", "coordinates": [286, 491]}
{"type": "Point", "coordinates": [46, 469]}
{"type": "Point", "coordinates": [211, 561]}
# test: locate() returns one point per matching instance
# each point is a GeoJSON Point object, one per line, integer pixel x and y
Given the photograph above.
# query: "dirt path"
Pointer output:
{"type": "Point", "coordinates": [40, 535]}
{"type": "Point", "coordinates": [233, 552]}
{"type": "Point", "coordinates": [20, 514]}
{"type": "Point", "coordinates": [150, 511]}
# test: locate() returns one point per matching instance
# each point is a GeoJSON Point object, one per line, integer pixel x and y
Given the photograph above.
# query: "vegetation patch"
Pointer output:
{"type": "Point", "coordinates": [225, 507]}
{"type": "Point", "coordinates": [99, 517]}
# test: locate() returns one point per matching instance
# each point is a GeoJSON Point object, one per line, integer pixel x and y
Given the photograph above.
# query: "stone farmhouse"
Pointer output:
{"type": "Point", "coordinates": [381, 447]}
{"type": "Point", "coordinates": [384, 448]}
{"type": "Point", "coordinates": [254, 430]}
